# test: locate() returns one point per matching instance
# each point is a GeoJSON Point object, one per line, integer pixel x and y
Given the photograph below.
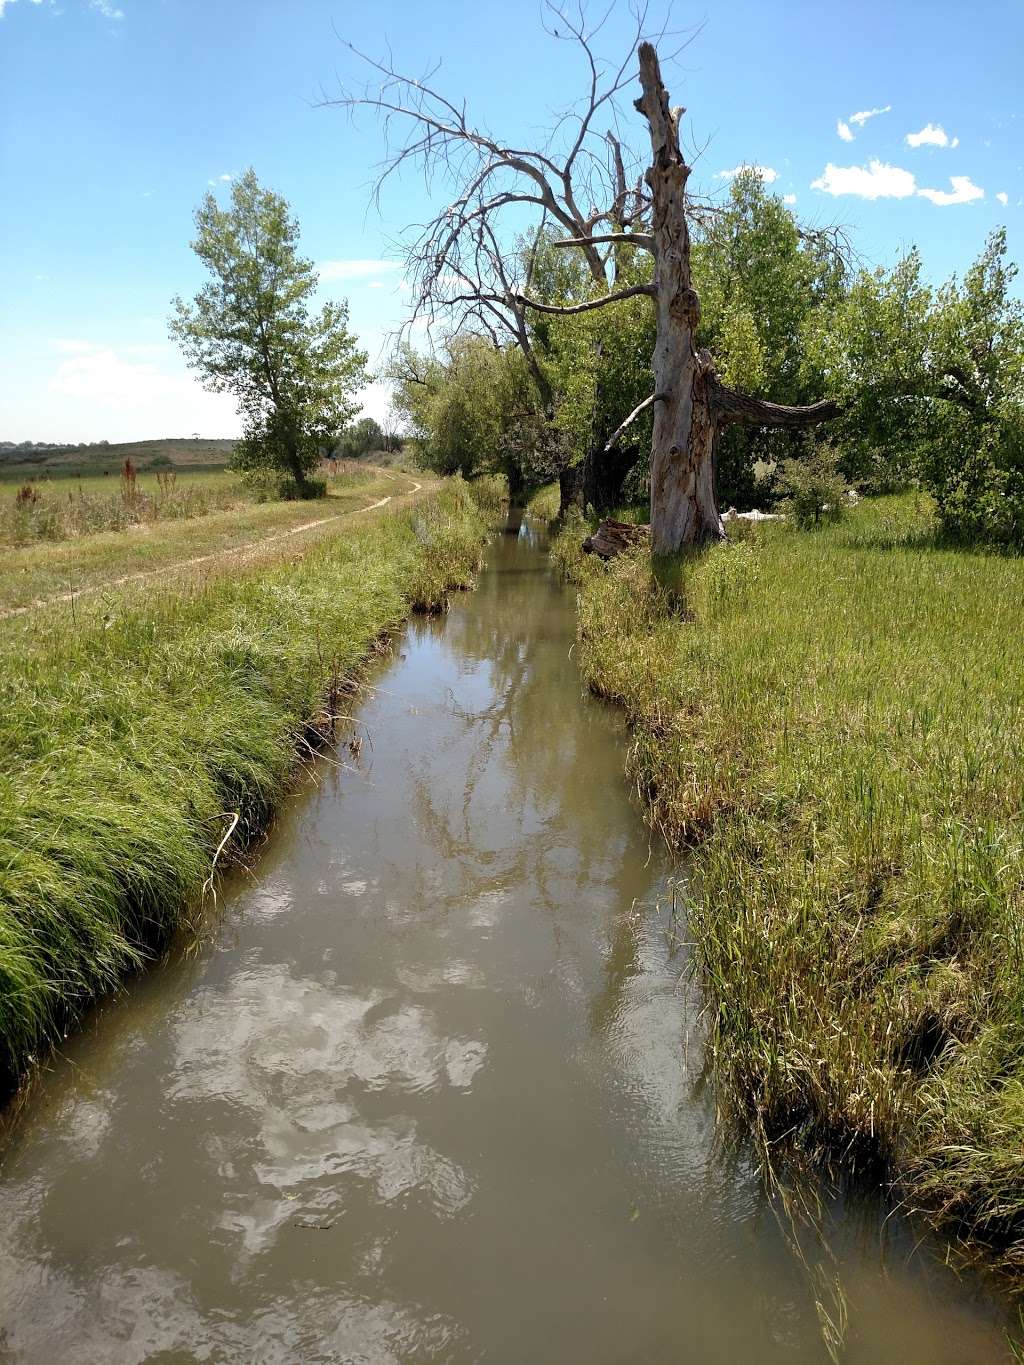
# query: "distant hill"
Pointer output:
{"type": "Point", "coordinates": [40, 457]}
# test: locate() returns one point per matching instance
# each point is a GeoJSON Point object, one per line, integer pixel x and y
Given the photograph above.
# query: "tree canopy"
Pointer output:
{"type": "Point", "coordinates": [250, 332]}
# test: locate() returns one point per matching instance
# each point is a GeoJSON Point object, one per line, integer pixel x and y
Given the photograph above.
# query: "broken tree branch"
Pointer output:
{"type": "Point", "coordinates": [640, 407]}
{"type": "Point", "coordinates": [567, 310]}
{"type": "Point", "coordinates": [730, 407]}
{"type": "Point", "coordinates": [641, 239]}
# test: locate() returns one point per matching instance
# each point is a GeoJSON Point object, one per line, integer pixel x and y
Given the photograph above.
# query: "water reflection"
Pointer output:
{"type": "Point", "coordinates": [431, 1091]}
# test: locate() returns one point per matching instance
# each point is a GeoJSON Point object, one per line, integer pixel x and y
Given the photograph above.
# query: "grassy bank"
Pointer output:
{"type": "Point", "coordinates": [136, 735]}
{"type": "Point", "coordinates": [834, 728]}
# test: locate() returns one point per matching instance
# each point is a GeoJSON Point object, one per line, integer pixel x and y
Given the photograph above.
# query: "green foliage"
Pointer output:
{"type": "Point", "coordinates": [471, 410]}
{"type": "Point", "coordinates": [932, 387]}
{"type": "Point", "coordinates": [249, 332]}
{"type": "Point", "coordinates": [359, 439]}
{"type": "Point", "coordinates": [812, 488]}
{"type": "Point", "coordinates": [983, 500]}
{"type": "Point", "coordinates": [760, 284]}
{"type": "Point", "coordinates": [599, 362]}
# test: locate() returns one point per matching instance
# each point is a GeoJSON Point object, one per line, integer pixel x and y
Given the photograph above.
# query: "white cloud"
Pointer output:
{"type": "Point", "coordinates": [1003, 197]}
{"type": "Point", "coordinates": [931, 135]}
{"type": "Point", "coordinates": [789, 198]}
{"type": "Point", "coordinates": [126, 390]}
{"type": "Point", "coordinates": [376, 399]}
{"type": "Point", "coordinates": [877, 180]}
{"type": "Point", "coordinates": [103, 376]}
{"type": "Point", "coordinates": [5, 3]}
{"type": "Point", "coordinates": [964, 191]}
{"type": "Point", "coordinates": [767, 173]}
{"type": "Point", "coordinates": [843, 129]}
{"type": "Point", "coordinates": [355, 269]}
{"type": "Point", "coordinates": [863, 115]}
{"type": "Point", "coordinates": [105, 8]}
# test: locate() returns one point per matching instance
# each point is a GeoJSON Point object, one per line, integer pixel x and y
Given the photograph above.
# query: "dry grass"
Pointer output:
{"type": "Point", "coordinates": [49, 568]}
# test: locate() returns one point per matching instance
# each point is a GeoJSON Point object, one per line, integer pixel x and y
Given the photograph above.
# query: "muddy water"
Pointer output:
{"type": "Point", "coordinates": [431, 1089]}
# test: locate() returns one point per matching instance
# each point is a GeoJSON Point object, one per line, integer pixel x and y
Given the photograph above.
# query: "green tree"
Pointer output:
{"type": "Point", "coordinates": [250, 332]}
{"type": "Point", "coordinates": [931, 386]}
{"type": "Point", "coordinates": [761, 279]}
{"type": "Point", "coordinates": [359, 439]}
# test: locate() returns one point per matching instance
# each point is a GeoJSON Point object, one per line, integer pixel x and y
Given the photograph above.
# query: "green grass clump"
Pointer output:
{"type": "Point", "coordinates": [133, 733]}
{"type": "Point", "coordinates": [544, 504]}
{"type": "Point", "coordinates": [831, 722]}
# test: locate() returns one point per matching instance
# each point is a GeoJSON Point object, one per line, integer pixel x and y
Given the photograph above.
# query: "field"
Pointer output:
{"type": "Point", "coordinates": [143, 725]}
{"type": "Point", "coordinates": [75, 535]}
{"type": "Point", "coordinates": [71, 461]}
{"type": "Point", "coordinates": [830, 723]}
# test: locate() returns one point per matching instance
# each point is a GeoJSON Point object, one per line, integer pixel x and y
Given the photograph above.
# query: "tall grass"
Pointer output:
{"type": "Point", "coordinates": [833, 727]}
{"type": "Point", "coordinates": [134, 734]}
{"type": "Point", "coordinates": [42, 511]}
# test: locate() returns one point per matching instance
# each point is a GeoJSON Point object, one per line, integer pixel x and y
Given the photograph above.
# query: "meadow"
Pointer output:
{"type": "Point", "coordinates": [829, 723]}
{"type": "Point", "coordinates": [73, 461]}
{"type": "Point", "coordinates": [61, 535]}
{"type": "Point", "coordinates": [147, 733]}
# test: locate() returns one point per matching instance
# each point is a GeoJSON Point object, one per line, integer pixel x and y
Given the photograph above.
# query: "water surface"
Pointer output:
{"type": "Point", "coordinates": [431, 1090]}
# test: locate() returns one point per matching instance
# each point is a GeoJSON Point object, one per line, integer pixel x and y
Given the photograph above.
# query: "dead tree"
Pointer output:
{"type": "Point", "coordinates": [461, 266]}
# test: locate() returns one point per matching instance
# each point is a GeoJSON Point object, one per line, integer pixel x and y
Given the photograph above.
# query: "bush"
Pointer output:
{"type": "Point", "coordinates": [274, 488]}
{"type": "Point", "coordinates": [359, 439]}
{"type": "Point", "coordinates": [813, 489]}
{"type": "Point", "coordinates": [984, 502]}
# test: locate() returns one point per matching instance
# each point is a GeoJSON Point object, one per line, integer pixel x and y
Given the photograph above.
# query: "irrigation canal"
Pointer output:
{"type": "Point", "coordinates": [430, 1088]}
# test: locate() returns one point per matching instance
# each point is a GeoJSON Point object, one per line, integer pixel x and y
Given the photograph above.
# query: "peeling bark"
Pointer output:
{"type": "Point", "coordinates": [683, 509]}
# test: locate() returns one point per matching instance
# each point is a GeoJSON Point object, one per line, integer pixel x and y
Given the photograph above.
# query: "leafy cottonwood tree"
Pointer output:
{"type": "Point", "coordinates": [931, 384]}
{"type": "Point", "coordinates": [249, 332]}
{"type": "Point", "coordinates": [470, 409]}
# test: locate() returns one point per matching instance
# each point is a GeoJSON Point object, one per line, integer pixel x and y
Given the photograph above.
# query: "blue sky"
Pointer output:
{"type": "Point", "coordinates": [116, 115]}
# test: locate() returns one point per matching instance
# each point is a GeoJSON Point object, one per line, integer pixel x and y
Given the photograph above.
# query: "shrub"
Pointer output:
{"type": "Point", "coordinates": [289, 490]}
{"type": "Point", "coordinates": [812, 488]}
{"type": "Point", "coordinates": [984, 502]}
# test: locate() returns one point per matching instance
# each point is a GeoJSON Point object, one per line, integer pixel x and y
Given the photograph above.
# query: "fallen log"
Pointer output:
{"type": "Point", "coordinates": [612, 537]}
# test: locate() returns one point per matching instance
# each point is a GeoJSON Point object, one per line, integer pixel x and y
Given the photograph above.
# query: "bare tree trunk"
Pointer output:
{"type": "Point", "coordinates": [570, 489]}
{"type": "Point", "coordinates": [683, 508]}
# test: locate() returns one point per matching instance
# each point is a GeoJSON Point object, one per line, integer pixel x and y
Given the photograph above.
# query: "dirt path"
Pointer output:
{"type": "Point", "coordinates": [179, 564]}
